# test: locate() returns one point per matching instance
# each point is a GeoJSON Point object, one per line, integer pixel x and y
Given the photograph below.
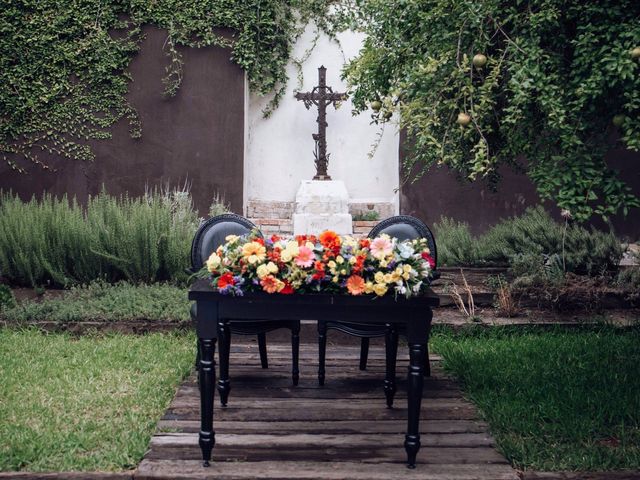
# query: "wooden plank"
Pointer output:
{"type": "Point", "coordinates": [331, 427]}
{"type": "Point", "coordinates": [332, 412]}
{"type": "Point", "coordinates": [366, 392]}
{"type": "Point", "coordinates": [257, 403]}
{"type": "Point", "coordinates": [324, 440]}
{"type": "Point", "coordinates": [308, 470]}
{"type": "Point", "coordinates": [350, 453]}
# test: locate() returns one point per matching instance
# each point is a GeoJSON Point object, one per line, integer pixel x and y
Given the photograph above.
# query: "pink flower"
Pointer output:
{"type": "Point", "coordinates": [305, 257]}
{"type": "Point", "coordinates": [381, 247]}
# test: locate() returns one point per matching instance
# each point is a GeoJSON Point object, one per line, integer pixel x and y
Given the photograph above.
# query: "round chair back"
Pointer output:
{"type": "Point", "coordinates": [212, 233]}
{"type": "Point", "coordinates": [406, 227]}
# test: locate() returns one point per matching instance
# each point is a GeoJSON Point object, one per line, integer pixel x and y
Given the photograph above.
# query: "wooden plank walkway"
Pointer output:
{"type": "Point", "coordinates": [272, 430]}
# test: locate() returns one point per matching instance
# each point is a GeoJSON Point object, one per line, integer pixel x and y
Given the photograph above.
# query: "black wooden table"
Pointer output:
{"type": "Point", "coordinates": [212, 307]}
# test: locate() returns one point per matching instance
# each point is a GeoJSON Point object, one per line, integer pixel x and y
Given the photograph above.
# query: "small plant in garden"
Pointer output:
{"type": "Point", "coordinates": [7, 300]}
{"type": "Point", "coordinates": [468, 308]}
{"type": "Point", "coordinates": [218, 206]}
{"type": "Point", "coordinates": [370, 216]}
{"type": "Point", "coordinates": [506, 301]}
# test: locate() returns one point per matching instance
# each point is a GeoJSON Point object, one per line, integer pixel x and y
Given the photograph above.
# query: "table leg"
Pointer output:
{"type": "Point", "coordinates": [224, 384]}
{"type": "Point", "coordinates": [418, 337]}
{"type": "Point", "coordinates": [206, 321]}
{"type": "Point", "coordinates": [414, 387]}
{"type": "Point", "coordinates": [207, 437]}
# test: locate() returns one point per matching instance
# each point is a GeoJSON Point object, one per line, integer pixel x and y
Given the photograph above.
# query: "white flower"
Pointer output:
{"type": "Point", "coordinates": [405, 250]}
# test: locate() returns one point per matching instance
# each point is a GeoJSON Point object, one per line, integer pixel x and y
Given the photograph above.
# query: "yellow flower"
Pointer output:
{"type": "Point", "coordinates": [231, 238]}
{"type": "Point", "coordinates": [272, 267]}
{"type": "Point", "coordinates": [395, 276]}
{"type": "Point", "coordinates": [293, 248]}
{"type": "Point", "coordinates": [262, 271]}
{"type": "Point", "coordinates": [310, 245]}
{"type": "Point", "coordinates": [339, 260]}
{"type": "Point", "coordinates": [388, 278]}
{"type": "Point", "coordinates": [383, 263]}
{"type": "Point", "coordinates": [379, 277]}
{"type": "Point", "coordinates": [331, 264]}
{"type": "Point", "coordinates": [368, 287]}
{"type": "Point", "coordinates": [406, 275]}
{"type": "Point", "coordinates": [213, 262]}
{"type": "Point", "coordinates": [352, 260]}
{"type": "Point", "coordinates": [380, 289]}
{"type": "Point", "coordinates": [286, 256]}
{"type": "Point", "coordinates": [254, 252]}
{"type": "Point", "coordinates": [335, 279]}
{"type": "Point", "coordinates": [407, 268]}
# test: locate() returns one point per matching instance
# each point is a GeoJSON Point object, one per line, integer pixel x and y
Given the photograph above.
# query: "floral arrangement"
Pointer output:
{"type": "Point", "coordinates": [327, 263]}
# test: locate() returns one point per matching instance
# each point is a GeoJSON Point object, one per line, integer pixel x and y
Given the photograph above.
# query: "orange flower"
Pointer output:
{"type": "Point", "coordinates": [271, 284]}
{"type": "Point", "coordinates": [329, 239]}
{"type": "Point", "coordinates": [355, 284]}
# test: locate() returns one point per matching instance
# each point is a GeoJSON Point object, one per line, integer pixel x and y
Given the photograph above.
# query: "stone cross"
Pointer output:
{"type": "Point", "coordinates": [321, 96]}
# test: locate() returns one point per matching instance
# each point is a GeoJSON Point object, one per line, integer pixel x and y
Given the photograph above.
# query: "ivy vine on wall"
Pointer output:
{"type": "Point", "coordinates": [63, 63]}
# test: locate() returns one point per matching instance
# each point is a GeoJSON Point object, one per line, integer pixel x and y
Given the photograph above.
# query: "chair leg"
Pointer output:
{"type": "Point", "coordinates": [364, 353]}
{"type": "Point", "coordinates": [198, 362]}
{"type": "Point", "coordinates": [224, 337]}
{"type": "Point", "coordinates": [295, 353]}
{"type": "Point", "coordinates": [262, 346]}
{"type": "Point", "coordinates": [391, 353]}
{"type": "Point", "coordinates": [322, 350]}
{"type": "Point", "coordinates": [427, 365]}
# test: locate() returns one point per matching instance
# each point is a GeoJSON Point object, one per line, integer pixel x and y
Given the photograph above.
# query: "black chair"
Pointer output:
{"type": "Point", "coordinates": [403, 227]}
{"type": "Point", "coordinates": [210, 235]}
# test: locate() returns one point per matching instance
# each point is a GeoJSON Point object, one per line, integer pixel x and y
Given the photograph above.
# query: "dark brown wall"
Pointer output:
{"type": "Point", "coordinates": [196, 136]}
{"type": "Point", "coordinates": [439, 193]}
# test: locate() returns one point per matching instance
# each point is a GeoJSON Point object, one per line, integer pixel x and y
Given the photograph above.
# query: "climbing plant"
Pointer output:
{"type": "Point", "coordinates": [63, 63]}
{"type": "Point", "coordinates": [480, 83]}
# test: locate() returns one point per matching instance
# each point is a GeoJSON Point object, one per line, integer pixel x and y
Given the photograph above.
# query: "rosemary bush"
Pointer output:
{"type": "Point", "coordinates": [533, 238]}
{"type": "Point", "coordinates": [57, 242]}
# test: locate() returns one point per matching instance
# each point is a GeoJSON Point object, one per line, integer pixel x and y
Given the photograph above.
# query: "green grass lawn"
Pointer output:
{"type": "Point", "coordinates": [84, 403]}
{"type": "Point", "coordinates": [559, 400]}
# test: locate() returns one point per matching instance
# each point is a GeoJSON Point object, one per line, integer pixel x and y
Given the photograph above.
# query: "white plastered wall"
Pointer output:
{"type": "Point", "coordinates": [279, 149]}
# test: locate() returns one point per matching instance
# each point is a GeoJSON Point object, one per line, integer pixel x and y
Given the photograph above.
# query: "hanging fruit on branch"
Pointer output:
{"type": "Point", "coordinates": [376, 105]}
{"type": "Point", "coordinates": [635, 53]}
{"type": "Point", "coordinates": [618, 120]}
{"type": "Point", "coordinates": [479, 60]}
{"type": "Point", "coordinates": [463, 119]}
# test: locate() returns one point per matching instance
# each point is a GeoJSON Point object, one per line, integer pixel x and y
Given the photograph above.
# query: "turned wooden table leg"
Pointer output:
{"type": "Point", "coordinates": [207, 337]}
{"type": "Point", "coordinates": [418, 337]}
{"type": "Point", "coordinates": [224, 384]}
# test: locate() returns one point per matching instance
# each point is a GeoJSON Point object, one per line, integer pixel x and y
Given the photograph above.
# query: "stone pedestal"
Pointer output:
{"type": "Point", "coordinates": [322, 205]}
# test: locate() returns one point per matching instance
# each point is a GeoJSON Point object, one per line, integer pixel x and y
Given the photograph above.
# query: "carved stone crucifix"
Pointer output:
{"type": "Point", "coordinates": [321, 96]}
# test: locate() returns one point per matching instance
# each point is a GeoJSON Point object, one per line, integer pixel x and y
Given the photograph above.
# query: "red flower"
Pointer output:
{"type": "Point", "coordinates": [359, 265]}
{"type": "Point", "coordinates": [429, 258]}
{"type": "Point", "coordinates": [275, 238]}
{"type": "Point", "coordinates": [365, 243]}
{"type": "Point", "coordinates": [319, 266]}
{"type": "Point", "coordinates": [260, 241]}
{"type": "Point", "coordinates": [225, 280]}
{"type": "Point", "coordinates": [287, 289]}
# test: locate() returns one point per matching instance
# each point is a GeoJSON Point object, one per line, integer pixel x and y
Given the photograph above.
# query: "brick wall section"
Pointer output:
{"type": "Point", "coordinates": [284, 226]}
